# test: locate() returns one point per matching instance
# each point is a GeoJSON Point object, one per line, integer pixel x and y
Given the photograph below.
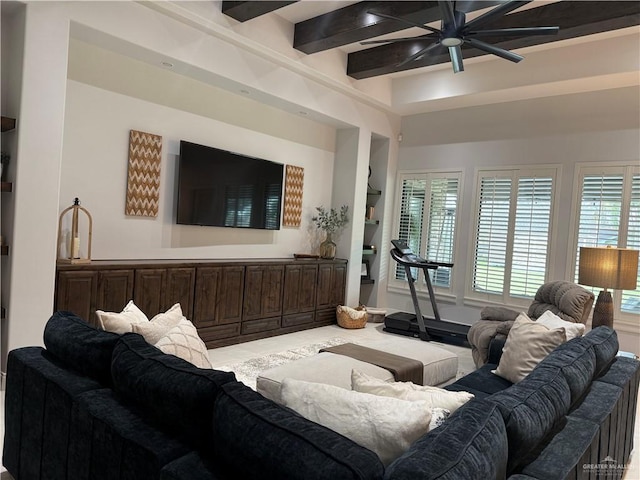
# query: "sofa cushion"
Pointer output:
{"type": "Point", "coordinates": [434, 396]}
{"type": "Point", "coordinates": [532, 410]}
{"type": "Point", "coordinates": [481, 382]}
{"type": "Point", "coordinates": [171, 391]}
{"type": "Point", "coordinates": [38, 400]}
{"type": "Point", "coordinates": [527, 344]}
{"type": "Point", "coordinates": [110, 439]}
{"type": "Point", "coordinates": [564, 456]}
{"type": "Point", "coordinates": [471, 444]}
{"type": "Point", "coordinates": [122, 322]}
{"type": "Point", "coordinates": [80, 346]}
{"type": "Point", "coordinates": [385, 425]}
{"type": "Point", "coordinates": [604, 342]}
{"type": "Point", "coordinates": [184, 342]}
{"type": "Point", "coordinates": [189, 467]}
{"type": "Point", "coordinates": [551, 320]}
{"type": "Point", "coordinates": [255, 438]}
{"type": "Point", "coordinates": [577, 362]}
{"type": "Point", "coordinates": [621, 372]}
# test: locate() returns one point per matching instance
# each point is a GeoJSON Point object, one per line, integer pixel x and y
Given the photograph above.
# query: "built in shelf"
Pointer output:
{"type": "Point", "coordinates": [6, 187]}
{"type": "Point", "coordinates": [8, 124]}
{"type": "Point", "coordinates": [4, 249]}
{"type": "Point", "coordinates": [372, 222]}
{"type": "Point", "coordinates": [367, 281]}
{"type": "Point", "coordinates": [373, 191]}
{"type": "Point", "coordinates": [369, 251]}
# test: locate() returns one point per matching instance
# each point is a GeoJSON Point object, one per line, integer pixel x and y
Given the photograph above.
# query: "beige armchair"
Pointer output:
{"type": "Point", "coordinates": [569, 301]}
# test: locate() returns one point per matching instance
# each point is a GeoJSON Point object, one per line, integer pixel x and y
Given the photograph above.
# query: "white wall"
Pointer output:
{"type": "Point", "coordinates": [566, 151]}
{"type": "Point", "coordinates": [94, 168]}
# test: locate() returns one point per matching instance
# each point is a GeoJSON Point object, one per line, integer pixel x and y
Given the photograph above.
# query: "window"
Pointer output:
{"type": "Point", "coordinates": [427, 221]}
{"type": "Point", "coordinates": [609, 214]}
{"type": "Point", "coordinates": [512, 234]}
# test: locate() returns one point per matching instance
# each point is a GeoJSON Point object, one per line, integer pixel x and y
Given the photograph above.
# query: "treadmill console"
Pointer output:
{"type": "Point", "coordinates": [402, 247]}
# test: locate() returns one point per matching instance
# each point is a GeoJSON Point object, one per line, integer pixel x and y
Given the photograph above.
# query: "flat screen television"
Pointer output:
{"type": "Point", "coordinates": [225, 189]}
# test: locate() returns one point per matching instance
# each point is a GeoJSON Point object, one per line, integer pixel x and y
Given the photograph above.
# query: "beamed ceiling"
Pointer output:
{"type": "Point", "coordinates": [352, 24]}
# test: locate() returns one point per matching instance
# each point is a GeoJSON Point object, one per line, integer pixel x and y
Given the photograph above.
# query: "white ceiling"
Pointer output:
{"type": "Point", "coordinates": [607, 64]}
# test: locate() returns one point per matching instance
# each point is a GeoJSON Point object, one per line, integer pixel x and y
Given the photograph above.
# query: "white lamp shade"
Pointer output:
{"type": "Point", "coordinates": [606, 267]}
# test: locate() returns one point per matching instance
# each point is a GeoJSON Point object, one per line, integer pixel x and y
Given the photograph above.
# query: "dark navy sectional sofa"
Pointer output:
{"type": "Point", "coordinates": [94, 405]}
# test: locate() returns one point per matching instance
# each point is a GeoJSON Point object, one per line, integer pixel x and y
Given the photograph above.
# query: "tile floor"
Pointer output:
{"type": "Point", "coordinates": [245, 351]}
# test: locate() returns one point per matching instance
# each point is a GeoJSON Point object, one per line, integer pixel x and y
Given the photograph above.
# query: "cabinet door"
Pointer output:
{"type": "Point", "coordinates": [263, 291]}
{"type": "Point", "coordinates": [76, 292]}
{"type": "Point", "coordinates": [325, 292]}
{"type": "Point", "coordinates": [299, 288]}
{"type": "Point", "coordinates": [338, 284]}
{"type": "Point", "coordinates": [218, 297]}
{"type": "Point", "coordinates": [115, 289]}
{"type": "Point", "coordinates": [148, 290]}
{"type": "Point", "coordinates": [180, 289]}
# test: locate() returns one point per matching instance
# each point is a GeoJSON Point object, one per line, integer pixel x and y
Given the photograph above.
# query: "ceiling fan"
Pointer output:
{"type": "Point", "coordinates": [455, 31]}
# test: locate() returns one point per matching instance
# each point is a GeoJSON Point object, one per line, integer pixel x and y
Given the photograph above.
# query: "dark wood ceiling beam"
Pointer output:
{"type": "Point", "coordinates": [575, 19]}
{"type": "Point", "coordinates": [243, 11]}
{"type": "Point", "coordinates": [353, 23]}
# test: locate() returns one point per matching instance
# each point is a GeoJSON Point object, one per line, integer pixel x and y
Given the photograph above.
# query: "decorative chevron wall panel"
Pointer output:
{"type": "Point", "coordinates": [143, 178]}
{"type": "Point", "coordinates": [293, 185]}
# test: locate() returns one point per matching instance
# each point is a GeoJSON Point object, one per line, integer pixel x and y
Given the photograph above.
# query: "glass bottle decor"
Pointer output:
{"type": "Point", "coordinates": [328, 248]}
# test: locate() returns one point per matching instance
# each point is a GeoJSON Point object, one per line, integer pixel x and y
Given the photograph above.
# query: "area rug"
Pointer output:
{"type": "Point", "coordinates": [247, 372]}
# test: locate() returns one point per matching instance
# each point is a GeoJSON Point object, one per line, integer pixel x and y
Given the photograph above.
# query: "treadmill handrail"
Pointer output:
{"type": "Point", "coordinates": [413, 260]}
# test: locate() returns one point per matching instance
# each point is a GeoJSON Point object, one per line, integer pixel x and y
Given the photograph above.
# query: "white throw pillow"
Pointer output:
{"type": "Point", "coordinates": [183, 341]}
{"type": "Point", "coordinates": [551, 320]}
{"type": "Point", "coordinates": [527, 344]}
{"type": "Point", "coordinates": [386, 426]}
{"type": "Point", "coordinates": [121, 322]}
{"type": "Point", "coordinates": [434, 396]}
{"type": "Point", "coordinates": [158, 326]}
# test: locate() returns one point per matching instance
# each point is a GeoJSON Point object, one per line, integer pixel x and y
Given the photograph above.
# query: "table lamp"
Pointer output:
{"type": "Point", "coordinates": [607, 267]}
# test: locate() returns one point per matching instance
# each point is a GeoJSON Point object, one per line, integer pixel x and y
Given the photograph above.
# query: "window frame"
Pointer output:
{"type": "Point", "coordinates": [473, 297]}
{"type": "Point", "coordinates": [626, 320]}
{"type": "Point", "coordinates": [402, 286]}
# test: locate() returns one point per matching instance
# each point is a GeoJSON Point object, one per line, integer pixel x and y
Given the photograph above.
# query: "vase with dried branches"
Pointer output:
{"type": "Point", "coordinates": [331, 221]}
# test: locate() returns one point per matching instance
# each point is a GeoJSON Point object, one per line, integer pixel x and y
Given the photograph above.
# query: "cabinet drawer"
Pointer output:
{"type": "Point", "coordinates": [210, 334]}
{"type": "Point", "coordinates": [298, 319]}
{"type": "Point", "coordinates": [326, 316]}
{"type": "Point", "coordinates": [261, 325]}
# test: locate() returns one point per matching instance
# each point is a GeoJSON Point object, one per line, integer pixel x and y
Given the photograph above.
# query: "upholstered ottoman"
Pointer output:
{"type": "Point", "coordinates": [440, 365]}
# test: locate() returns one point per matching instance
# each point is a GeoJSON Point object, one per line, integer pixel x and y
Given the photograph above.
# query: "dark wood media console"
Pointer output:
{"type": "Point", "coordinates": [229, 301]}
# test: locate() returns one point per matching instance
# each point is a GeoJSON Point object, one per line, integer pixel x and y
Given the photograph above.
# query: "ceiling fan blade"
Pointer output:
{"type": "Point", "coordinates": [500, 52]}
{"type": "Point", "coordinates": [402, 20]}
{"type": "Point", "coordinates": [496, 12]}
{"type": "Point", "coordinates": [403, 39]}
{"type": "Point", "coordinates": [456, 58]}
{"type": "Point", "coordinates": [514, 32]}
{"type": "Point", "coordinates": [418, 54]}
{"type": "Point", "coordinates": [448, 15]}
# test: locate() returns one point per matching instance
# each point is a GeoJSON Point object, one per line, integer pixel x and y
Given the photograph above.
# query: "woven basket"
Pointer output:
{"type": "Point", "coordinates": [351, 317]}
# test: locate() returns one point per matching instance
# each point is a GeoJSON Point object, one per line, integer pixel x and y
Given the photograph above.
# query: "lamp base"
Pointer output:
{"type": "Point", "coordinates": [603, 310]}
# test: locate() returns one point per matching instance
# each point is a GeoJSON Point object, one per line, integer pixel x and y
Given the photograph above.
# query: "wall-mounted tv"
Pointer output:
{"type": "Point", "coordinates": [224, 189]}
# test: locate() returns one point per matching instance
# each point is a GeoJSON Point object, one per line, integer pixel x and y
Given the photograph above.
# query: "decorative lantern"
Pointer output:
{"type": "Point", "coordinates": [74, 253]}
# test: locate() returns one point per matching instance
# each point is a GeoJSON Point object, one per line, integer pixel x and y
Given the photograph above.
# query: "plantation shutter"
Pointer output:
{"type": "Point", "coordinates": [492, 235]}
{"type": "Point", "coordinates": [443, 204]}
{"type": "Point", "coordinates": [600, 210]}
{"type": "Point", "coordinates": [411, 215]}
{"type": "Point", "coordinates": [531, 236]}
{"type": "Point", "coordinates": [631, 298]}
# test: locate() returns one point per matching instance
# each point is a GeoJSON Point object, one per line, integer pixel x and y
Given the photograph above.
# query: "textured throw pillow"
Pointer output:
{"type": "Point", "coordinates": [386, 426]}
{"type": "Point", "coordinates": [158, 326]}
{"type": "Point", "coordinates": [527, 344]}
{"type": "Point", "coordinates": [434, 396]}
{"type": "Point", "coordinates": [183, 342]}
{"type": "Point", "coordinates": [551, 320]}
{"type": "Point", "coordinates": [121, 322]}
{"type": "Point", "coordinates": [438, 416]}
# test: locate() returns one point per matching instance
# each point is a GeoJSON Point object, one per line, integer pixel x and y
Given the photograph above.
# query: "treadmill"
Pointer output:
{"type": "Point", "coordinates": [416, 325]}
